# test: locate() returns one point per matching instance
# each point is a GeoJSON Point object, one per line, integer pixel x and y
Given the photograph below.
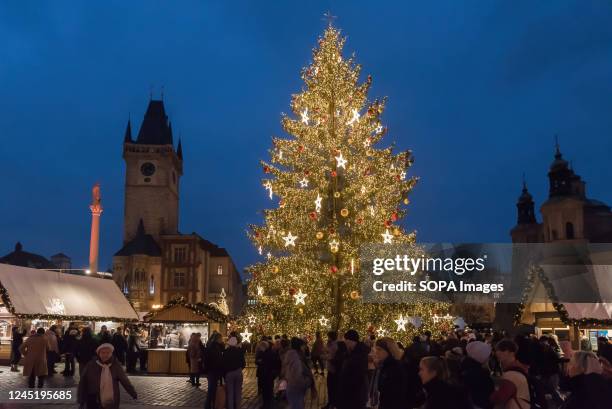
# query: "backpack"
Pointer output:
{"type": "Point", "coordinates": [537, 392]}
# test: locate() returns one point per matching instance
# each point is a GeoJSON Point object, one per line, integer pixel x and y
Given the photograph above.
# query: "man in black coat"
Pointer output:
{"type": "Point", "coordinates": [353, 376]}
{"type": "Point", "coordinates": [475, 377]}
{"type": "Point", "coordinates": [68, 347]}
{"type": "Point", "coordinates": [85, 349]}
{"type": "Point", "coordinates": [120, 344]}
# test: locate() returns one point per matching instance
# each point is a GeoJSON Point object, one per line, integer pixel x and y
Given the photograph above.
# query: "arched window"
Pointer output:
{"type": "Point", "coordinates": [569, 230]}
{"type": "Point", "coordinates": [126, 288]}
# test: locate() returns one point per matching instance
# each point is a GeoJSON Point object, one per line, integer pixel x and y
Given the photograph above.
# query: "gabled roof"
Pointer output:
{"type": "Point", "coordinates": [141, 244]}
{"type": "Point", "coordinates": [155, 128]}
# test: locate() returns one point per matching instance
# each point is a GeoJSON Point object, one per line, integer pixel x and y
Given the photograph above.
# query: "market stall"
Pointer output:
{"type": "Point", "coordinates": [170, 329]}
{"type": "Point", "coordinates": [31, 298]}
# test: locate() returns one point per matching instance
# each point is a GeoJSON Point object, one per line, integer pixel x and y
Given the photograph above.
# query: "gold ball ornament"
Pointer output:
{"type": "Point", "coordinates": [336, 195]}
{"type": "Point", "coordinates": [396, 232]}
{"type": "Point", "coordinates": [344, 212]}
{"type": "Point", "coordinates": [334, 249]}
{"type": "Point", "coordinates": [406, 201]}
{"type": "Point", "coordinates": [319, 235]}
{"type": "Point", "coordinates": [354, 295]}
{"type": "Point", "coordinates": [301, 310]}
{"type": "Point", "coordinates": [275, 269]}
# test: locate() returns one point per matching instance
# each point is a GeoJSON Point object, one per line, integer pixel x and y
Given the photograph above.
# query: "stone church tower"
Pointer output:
{"type": "Point", "coordinates": [153, 172]}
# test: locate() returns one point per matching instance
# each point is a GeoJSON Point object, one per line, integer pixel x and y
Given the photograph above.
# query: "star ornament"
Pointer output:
{"type": "Point", "coordinates": [268, 186]}
{"type": "Point", "coordinates": [290, 239]}
{"type": "Point", "coordinates": [303, 182]}
{"type": "Point", "coordinates": [354, 118]}
{"type": "Point", "coordinates": [379, 128]}
{"type": "Point", "coordinates": [381, 332]}
{"type": "Point", "coordinates": [403, 175]}
{"type": "Point", "coordinates": [246, 335]}
{"type": "Point", "coordinates": [251, 319]}
{"type": "Point", "coordinates": [305, 116]}
{"type": "Point", "coordinates": [260, 290]}
{"type": "Point", "coordinates": [340, 161]}
{"type": "Point", "coordinates": [387, 237]}
{"type": "Point", "coordinates": [334, 245]}
{"type": "Point", "coordinates": [300, 297]}
{"type": "Point", "coordinates": [318, 203]}
{"type": "Point", "coordinates": [324, 322]}
{"type": "Point", "coordinates": [401, 323]}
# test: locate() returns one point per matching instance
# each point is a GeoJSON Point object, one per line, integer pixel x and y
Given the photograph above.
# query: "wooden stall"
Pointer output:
{"type": "Point", "coordinates": [170, 328]}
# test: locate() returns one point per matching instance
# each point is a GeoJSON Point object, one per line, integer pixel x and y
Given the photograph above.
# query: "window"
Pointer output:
{"type": "Point", "coordinates": [152, 285]}
{"type": "Point", "coordinates": [180, 254]}
{"type": "Point", "coordinates": [219, 269]}
{"type": "Point", "coordinates": [179, 279]}
{"type": "Point", "coordinates": [569, 231]}
{"type": "Point", "coordinates": [125, 289]}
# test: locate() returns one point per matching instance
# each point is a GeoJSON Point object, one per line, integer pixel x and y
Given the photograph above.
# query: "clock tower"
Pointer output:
{"type": "Point", "coordinates": [152, 176]}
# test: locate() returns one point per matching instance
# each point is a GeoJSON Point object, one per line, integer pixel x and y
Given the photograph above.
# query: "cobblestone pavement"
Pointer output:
{"type": "Point", "coordinates": [153, 391]}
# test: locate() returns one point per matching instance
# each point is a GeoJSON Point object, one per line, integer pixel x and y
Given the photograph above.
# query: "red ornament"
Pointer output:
{"type": "Point", "coordinates": [394, 216]}
{"type": "Point", "coordinates": [334, 173]}
{"type": "Point", "coordinates": [333, 269]}
{"type": "Point", "coordinates": [387, 223]}
{"type": "Point", "coordinates": [306, 172]}
{"type": "Point", "coordinates": [331, 230]}
{"type": "Point", "coordinates": [266, 169]}
{"type": "Point", "coordinates": [313, 215]}
{"type": "Point", "coordinates": [301, 148]}
{"type": "Point", "coordinates": [291, 291]}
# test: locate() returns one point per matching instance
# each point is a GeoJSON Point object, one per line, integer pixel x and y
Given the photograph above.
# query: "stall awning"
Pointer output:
{"type": "Point", "coordinates": [179, 310]}
{"type": "Point", "coordinates": [32, 293]}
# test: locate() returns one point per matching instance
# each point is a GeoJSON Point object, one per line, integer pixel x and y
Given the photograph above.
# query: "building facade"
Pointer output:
{"type": "Point", "coordinates": [158, 263]}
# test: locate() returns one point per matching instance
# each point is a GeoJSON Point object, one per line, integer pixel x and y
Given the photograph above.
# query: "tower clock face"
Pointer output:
{"type": "Point", "coordinates": [147, 169]}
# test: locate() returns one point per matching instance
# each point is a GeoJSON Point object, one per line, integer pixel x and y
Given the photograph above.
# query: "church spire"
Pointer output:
{"type": "Point", "coordinates": [525, 206]}
{"type": "Point", "coordinates": [179, 150]}
{"type": "Point", "coordinates": [128, 132]}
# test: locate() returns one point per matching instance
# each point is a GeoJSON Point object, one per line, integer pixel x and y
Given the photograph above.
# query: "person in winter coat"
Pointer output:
{"type": "Point", "coordinates": [194, 359]}
{"type": "Point", "coordinates": [316, 354]}
{"type": "Point", "coordinates": [16, 341]}
{"type": "Point", "coordinates": [265, 359]}
{"type": "Point", "coordinates": [120, 344]}
{"type": "Point", "coordinates": [390, 377]}
{"type": "Point", "coordinates": [440, 394]}
{"type": "Point", "coordinates": [353, 376]}
{"type": "Point", "coordinates": [69, 345]}
{"type": "Point", "coordinates": [34, 350]}
{"type": "Point", "coordinates": [53, 352]}
{"type": "Point", "coordinates": [475, 377]}
{"type": "Point", "coordinates": [85, 349]}
{"type": "Point", "coordinates": [410, 360]}
{"type": "Point", "coordinates": [99, 384]}
{"type": "Point", "coordinates": [233, 364]}
{"type": "Point", "coordinates": [213, 367]}
{"type": "Point", "coordinates": [332, 377]}
{"type": "Point", "coordinates": [298, 374]}
{"type": "Point", "coordinates": [104, 336]}
{"type": "Point", "coordinates": [589, 389]}
{"type": "Point", "coordinates": [133, 351]}
{"type": "Point", "coordinates": [513, 386]}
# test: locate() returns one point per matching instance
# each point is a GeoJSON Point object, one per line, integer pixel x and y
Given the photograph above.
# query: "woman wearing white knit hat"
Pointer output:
{"type": "Point", "coordinates": [99, 384]}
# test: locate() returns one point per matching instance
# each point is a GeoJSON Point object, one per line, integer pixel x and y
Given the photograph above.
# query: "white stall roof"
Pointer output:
{"type": "Point", "coordinates": [49, 293]}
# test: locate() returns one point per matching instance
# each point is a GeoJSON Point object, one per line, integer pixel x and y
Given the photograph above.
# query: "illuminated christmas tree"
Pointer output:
{"type": "Point", "coordinates": [335, 190]}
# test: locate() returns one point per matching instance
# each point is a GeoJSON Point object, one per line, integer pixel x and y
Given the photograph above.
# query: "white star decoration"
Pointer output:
{"type": "Point", "coordinates": [324, 322]}
{"type": "Point", "coordinates": [381, 332]}
{"type": "Point", "coordinates": [318, 203]}
{"type": "Point", "coordinates": [246, 335]}
{"type": "Point", "coordinates": [268, 186]}
{"type": "Point", "coordinates": [401, 323]}
{"type": "Point", "coordinates": [299, 297]}
{"type": "Point", "coordinates": [251, 319]}
{"type": "Point", "coordinates": [387, 237]}
{"type": "Point", "coordinates": [355, 117]}
{"type": "Point", "coordinates": [379, 128]}
{"type": "Point", "coordinates": [260, 250]}
{"type": "Point", "coordinates": [367, 142]}
{"type": "Point", "coordinates": [334, 245]}
{"type": "Point", "coordinates": [305, 116]}
{"type": "Point", "coordinates": [289, 240]}
{"type": "Point", "coordinates": [304, 182]}
{"type": "Point", "coordinates": [403, 174]}
{"type": "Point", "coordinates": [260, 290]}
{"type": "Point", "coordinates": [340, 161]}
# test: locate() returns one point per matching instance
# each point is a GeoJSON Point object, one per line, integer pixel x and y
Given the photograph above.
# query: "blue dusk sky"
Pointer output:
{"type": "Point", "coordinates": [477, 89]}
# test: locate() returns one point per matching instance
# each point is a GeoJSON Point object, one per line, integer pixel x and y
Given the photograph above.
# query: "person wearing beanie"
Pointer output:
{"type": "Point", "coordinates": [353, 375]}
{"type": "Point", "coordinates": [99, 384]}
{"type": "Point", "coordinates": [233, 364]}
{"type": "Point", "coordinates": [476, 374]}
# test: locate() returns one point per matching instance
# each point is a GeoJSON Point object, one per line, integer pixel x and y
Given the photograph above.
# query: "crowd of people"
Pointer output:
{"type": "Point", "coordinates": [464, 369]}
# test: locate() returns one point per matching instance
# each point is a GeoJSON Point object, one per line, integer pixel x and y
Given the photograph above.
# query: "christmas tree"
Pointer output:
{"type": "Point", "coordinates": [335, 191]}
